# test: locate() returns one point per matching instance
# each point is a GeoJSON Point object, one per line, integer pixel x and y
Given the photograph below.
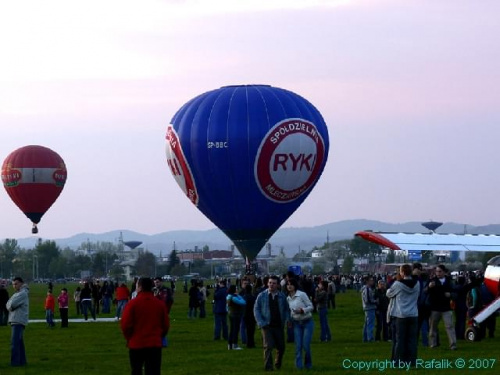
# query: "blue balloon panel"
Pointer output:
{"type": "Point", "coordinates": [247, 157]}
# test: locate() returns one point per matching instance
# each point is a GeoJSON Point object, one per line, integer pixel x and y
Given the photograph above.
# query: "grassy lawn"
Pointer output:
{"type": "Point", "coordinates": [99, 348]}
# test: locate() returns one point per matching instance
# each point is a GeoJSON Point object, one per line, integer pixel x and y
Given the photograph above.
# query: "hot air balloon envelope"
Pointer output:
{"type": "Point", "coordinates": [247, 157]}
{"type": "Point", "coordinates": [34, 176]}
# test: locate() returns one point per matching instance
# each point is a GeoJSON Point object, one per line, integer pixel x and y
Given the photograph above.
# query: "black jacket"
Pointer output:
{"type": "Point", "coordinates": [438, 300]}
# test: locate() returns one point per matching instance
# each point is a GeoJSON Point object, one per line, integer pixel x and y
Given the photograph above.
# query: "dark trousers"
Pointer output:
{"type": "Point", "coordinates": [64, 317]}
{"type": "Point", "coordinates": [220, 321]}
{"type": "Point", "coordinates": [423, 325]}
{"type": "Point", "coordinates": [460, 323]}
{"type": "Point", "coordinates": [234, 329]}
{"type": "Point", "coordinates": [382, 330]}
{"type": "Point", "coordinates": [273, 338]}
{"type": "Point", "coordinates": [331, 301]}
{"type": "Point", "coordinates": [406, 340]}
{"type": "Point", "coordinates": [97, 303]}
{"type": "Point", "coordinates": [250, 327]}
{"type": "Point", "coordinates": [150, 358]}
{"type": "Point", "coordinates": [4, 316]}
{"type": "Point", "coordinates": [203, 313]}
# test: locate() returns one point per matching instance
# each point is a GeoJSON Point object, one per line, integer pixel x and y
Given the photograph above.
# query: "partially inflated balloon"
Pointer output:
{"type": "Point", "coordinates": [247, 157]}
{"type": "Point", "coordinates": [34, 176]}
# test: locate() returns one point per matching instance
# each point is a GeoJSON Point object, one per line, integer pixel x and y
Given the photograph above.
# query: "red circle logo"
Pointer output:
{"type": "Point", "coordinates": [289, 160]}
{"type": "Point", "coordinates": [179, 166]}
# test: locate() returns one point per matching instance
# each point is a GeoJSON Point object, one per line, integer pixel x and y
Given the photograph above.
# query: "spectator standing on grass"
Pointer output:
{"type": "Point", "coordinates": [76, 298]}
{"type": "Point", "coordinates": [301, 309]}
{"type": "Point", "coordinates": [63, 302]}
{"type": "Point", "coordinates": [331, 292]}
{"type": "Point", "coordinates": [404, 310]}
{"type": "Point", "coordinates": [424, 311]}
{"type": "Point", "coordinates": [50, 304]}
{"type": "Point", "coordinates": [248, 317]}
{"type": "Point", "coordinates": [461, 290]}
{"type": "Point", "coordinates": [96, 296]}
{"type": "Point", "coordinates": [236, 308]}
{"type": "Point", "coordinates": [473, 298]}
{"type": "Point", "coordinates": [144, 324]}
{"type": "Point", "coordinates": [18, 306]}
{"type": "Point", "coordinates": [194, 300]}
{"type": "Point", "coordinates": [203, 299]}
{"type": "Point", "coordinates": [243, 329]}
{"type": "Point", "coordinates": [289, 276]}
{"type": "Point", "coordinates": [4, 297]}
{"type": "Point", "coordinates": [382, 330]}
{"type": "Point", "coordinates": [122, 297]}
{"type": "Point", "coordinates": [86, 301]}
{"type": "Point", "coordinates": [271, 313]}
{"type": "Point", "coordinates": [106, 293]}
{"type": "Point", "coordinates": [321, 298]}
{"type": "Point", "coordinates": [163, 293]}
{"type": "Point", "coordinates": [166, 296]}
{"type": "Point", "coordinates": [220, 311]}
{"type": "Point", "coordinates": [369, 307]}
{"type": "Point", "coordinates": [440, 288]}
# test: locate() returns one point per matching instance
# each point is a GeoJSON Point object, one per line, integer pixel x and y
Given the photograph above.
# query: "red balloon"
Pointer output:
{"type": "Point", "coordinates": [34, 176]}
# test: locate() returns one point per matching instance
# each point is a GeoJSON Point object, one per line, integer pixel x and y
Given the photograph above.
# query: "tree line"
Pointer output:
{"type": "Point", "coordinates": [48, 261]}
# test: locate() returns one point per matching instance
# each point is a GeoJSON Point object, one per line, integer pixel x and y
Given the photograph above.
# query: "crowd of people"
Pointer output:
{"type": "Point", "coordinates": [411, 303]}
{"type": "Point", "coordinates": [399, 308]}
{"type": "Point", "coordinates": [275, 305]}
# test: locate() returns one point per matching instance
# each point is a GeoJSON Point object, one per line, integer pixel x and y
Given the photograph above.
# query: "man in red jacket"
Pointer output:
{"type": "Point", "coordinates": [144, 323]}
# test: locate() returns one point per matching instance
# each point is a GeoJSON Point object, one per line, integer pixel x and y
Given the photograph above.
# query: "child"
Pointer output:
{"type": "Point", "coordinates": [49, 309]}
{"type": "Point", "coordinates": [63, 307]}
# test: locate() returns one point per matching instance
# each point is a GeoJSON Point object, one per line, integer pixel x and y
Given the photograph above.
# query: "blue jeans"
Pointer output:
{"type": "Point", "coordinates": [120, 305]}
{"type": "Point", "coordinates": [220, 320]}
{"type": "Point", "coordinates": [325, 328]}
{"type": "Point", "coordinates": [303, 331]}
{"type": "Point", "coordinates": [368, 326]}
{"type": "Point", "coordinates": [106, 305]}
{"type": "Point", "coordinates": [193, 312]}
{"type": "Point", "coordinates": [18, 354]}
{"type": "Point", "coordinates": [86, 306]}
{"type": "Point", "coordinates": [49, 317]}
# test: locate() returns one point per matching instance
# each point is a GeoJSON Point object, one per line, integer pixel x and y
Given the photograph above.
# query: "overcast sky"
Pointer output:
{"type": "Point", "coordinates": [409, 90]}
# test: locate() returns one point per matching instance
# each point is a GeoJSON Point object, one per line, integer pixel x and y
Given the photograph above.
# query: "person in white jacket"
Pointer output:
{"type": "Point", "coordinates": [18, 306]}
{"type": "Point", "coordinates": [404, 293]}
{"type": "Point", "coordinates": [301, 309]}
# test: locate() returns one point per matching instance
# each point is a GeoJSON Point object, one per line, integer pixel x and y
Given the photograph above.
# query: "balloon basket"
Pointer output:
{"type": "Point", "coordinates": [250, 269]}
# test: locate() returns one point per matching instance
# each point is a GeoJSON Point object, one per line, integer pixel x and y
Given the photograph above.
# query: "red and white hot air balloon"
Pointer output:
{"type": "Point", "coordinates": [34, 176]}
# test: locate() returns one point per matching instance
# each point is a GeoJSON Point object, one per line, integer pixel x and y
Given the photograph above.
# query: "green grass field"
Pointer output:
{"type": "Point", "coordinates": [99, 348]}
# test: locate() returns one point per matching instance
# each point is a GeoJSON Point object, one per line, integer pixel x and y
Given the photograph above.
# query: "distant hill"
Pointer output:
{"type": "Point", "coordinates": [291, 239]}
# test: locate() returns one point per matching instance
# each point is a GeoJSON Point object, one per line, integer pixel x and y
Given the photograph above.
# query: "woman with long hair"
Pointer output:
{"type": "Point", "coordinates": [235, 307]}
{"type": "Point", "coordinates": [301, 309]}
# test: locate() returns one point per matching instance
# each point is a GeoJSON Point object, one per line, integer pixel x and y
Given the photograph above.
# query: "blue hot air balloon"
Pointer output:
{"type": "Point", "coordinates": [247, 157]}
